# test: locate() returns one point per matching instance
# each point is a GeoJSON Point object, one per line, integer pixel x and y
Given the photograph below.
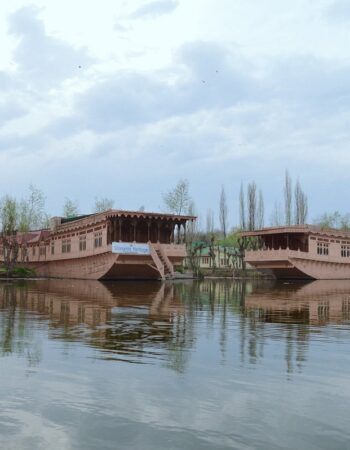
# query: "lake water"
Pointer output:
{"type": "Point", "coordinates": [189, 365]}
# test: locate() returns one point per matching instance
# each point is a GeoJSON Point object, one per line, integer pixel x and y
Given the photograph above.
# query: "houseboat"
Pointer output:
{"type": "Point", "coordinates": [113, 244]}
{"type": "Point", "coordinates": [300, 252]}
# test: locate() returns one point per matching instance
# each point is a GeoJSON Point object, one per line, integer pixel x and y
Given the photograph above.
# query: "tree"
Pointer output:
{"type": "Point", "coordinates": [9, 243]}
{"type": "Point", "coordinates": [210, 222]}
{"type": "Point", "coordinates": [192, 226]}
{"type": "Point", "coordinates": [177, 200]}
{"type": "Point", "coordinates": [70, 208]}
{"type": "Point", "coordinates": [261, 211]}
{"type": "Point", "coordinates": [223, 212]}
{"type": "Point", "coordinates": [8, 215]}
{"type": "Point", "coordinates": [102, 204]}
{"type": "Point", "coordinates": [242, 219]}
{"type": "Point", "coordinates": [31, 211]}
{"type": "Point", "coordinates": [252, 206]}
{"type": "Point", "coordinates": [301, 205]}
{"type": "Point", "coordinates": [287, 199]}
{"type": "Point", "coordinates": [276, 216]}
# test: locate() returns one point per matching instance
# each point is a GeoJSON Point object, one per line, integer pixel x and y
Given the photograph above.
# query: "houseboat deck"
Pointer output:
{"type": "Point", "coordinates": [304, 252]}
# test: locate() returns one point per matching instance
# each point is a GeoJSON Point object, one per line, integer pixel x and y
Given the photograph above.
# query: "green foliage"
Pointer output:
{"type": "Point", "coordinates": [22, 272]}
{"type": "Point", "coordinates": [178, 200]}
{"type": "Point", "coordinates": [24, 215]}
{"type": "Point", "coordinates": [102, 204]}
{"type": "Point", "coordinates": [8, 215]}
{"type": "Point", "coordinates": [70, 208]}
{"type": "Point", "coordinates": [334, 220]}
{"type": "Point", "coordinates": [31, 211]}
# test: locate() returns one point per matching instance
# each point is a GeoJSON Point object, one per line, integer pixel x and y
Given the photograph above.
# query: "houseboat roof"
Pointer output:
{"type": "Point", "coordinates": [61, 224]}
{"type": "Point", "coordinates": [298, 229]}
{"type": "Point", "coordinates": [127, 214]}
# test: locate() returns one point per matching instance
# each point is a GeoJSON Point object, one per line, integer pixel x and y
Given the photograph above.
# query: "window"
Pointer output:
{"type": "Point", "coordinates": [66, 246]}
{"type": "Point", "coordinates": [205, 259]}
{"type": "Point", "coordinates": [345, 251]}
{"type": "Point", "coordinates": [42, 250]}
{"type": "Point", "coordinates": [33, 251]}
{"type": "Point", "coordinates": [322, 248]}
{"type": "Point", "coordinates": [82, 243]}
{"type": "Point", "coordinates": [52, 248]}
{"type": "Point", "coordinates": [98, 239]}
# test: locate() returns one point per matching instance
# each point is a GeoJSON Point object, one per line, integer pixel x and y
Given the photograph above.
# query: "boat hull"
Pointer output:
{"type": "Point", "coordinates": [105, 266]}
{"type": "Point", "coordinates": [288, 264]}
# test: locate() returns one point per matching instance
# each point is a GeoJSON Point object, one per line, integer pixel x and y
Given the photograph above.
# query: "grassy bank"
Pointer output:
{"type": "Point", "coordinates": [16, 272]}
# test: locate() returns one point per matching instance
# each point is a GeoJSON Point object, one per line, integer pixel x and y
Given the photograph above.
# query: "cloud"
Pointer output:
{"type": "Point", "coordinates": [339, 10]}
{"type": "Point", "coordinates": [211, 115]}
{"type": "Point", "coordinates": [207, 78]}
{"type": "Point", "coordinates": [155, 8]}
{"type": "Point", "coordinates": [10, 110]}
{"type": "Point", "coordinates": [43, 60]}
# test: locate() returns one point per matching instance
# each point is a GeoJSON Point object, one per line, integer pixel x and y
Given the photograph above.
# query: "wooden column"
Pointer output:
{"type": "Point", "coordinates": [134, 223]}
{"type": "Point", "coordinates": [149, 231]}
{"type": "Point", "coordinates": [158, 225]}
{"type": "Point", "coordinates": [114, 237]}
{"type": "Point", "coordinates": [120, 229]}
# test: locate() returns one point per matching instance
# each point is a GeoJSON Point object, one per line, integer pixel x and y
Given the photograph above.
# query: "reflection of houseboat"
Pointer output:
{"type": "Point", "coordinates": [91, 302]}
{"type": "Point", "coordinates": [109, 245]}
{"type": "Point", "coordinates": [318, 302]}
{"type": "Point", "coordinates": [300, 251]}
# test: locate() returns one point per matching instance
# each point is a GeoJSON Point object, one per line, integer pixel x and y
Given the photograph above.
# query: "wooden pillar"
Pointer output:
{"type": "Point", "coordinates": [149, 231]}
{"type": "Point", "coordinates": [184, 225]}
{"type": "Point", "coordinates": [114, 238]}
{"type": "Point", "coordinates": [120, 229]}
{"type": "Point", "coordinates": [134, 225]}
{"type": "Point", "coordinates": [158, 225]}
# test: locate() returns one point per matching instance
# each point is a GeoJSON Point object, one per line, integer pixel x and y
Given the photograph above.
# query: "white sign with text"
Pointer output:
{"type": "Point", "coordinates": [130, 248]}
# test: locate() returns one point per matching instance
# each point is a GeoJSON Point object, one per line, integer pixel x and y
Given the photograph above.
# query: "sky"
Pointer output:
{"type": "Point", "coordinates": [122, 99]}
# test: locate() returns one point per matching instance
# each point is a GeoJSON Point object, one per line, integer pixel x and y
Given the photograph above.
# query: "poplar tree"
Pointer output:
{"type": "Point", "coordinates": [288, 197]}
{"type": "Point", "coordinates": [223, 212]}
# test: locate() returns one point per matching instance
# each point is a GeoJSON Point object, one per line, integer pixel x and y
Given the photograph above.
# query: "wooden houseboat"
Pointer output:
{"type": "Point", "coordinates": [113, 244]}
{"type": "Point", "coordinates": [300, 251]}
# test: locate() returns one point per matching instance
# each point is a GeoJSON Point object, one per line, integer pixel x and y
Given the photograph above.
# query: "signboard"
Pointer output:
{"type": "Point", "coordinates": [130, 248]}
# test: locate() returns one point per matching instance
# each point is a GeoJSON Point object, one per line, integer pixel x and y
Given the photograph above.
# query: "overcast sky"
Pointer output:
{"type": "Point", "coordinates": [121, 99]}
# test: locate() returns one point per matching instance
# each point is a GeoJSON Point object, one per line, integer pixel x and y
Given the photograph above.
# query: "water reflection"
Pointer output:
{"type": "Point", "coordinates": [195, 365]}
{"type": "Point", "coordinates": [147, 322]}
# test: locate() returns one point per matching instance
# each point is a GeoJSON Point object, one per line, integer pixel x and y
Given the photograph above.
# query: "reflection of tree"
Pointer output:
{"type": "Point", "coordinates": [142, 322]}
{"type": "Point", "coordinates": [17, 336]}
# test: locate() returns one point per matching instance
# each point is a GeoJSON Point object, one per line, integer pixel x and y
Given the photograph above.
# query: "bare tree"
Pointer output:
{"type": "Point", "coordinates": [301, 205]}
{"type": "Point", "coordinates": [223, 212]}
{"type": "Point", "coordinates": [192, 226]}
{"type": "Point", "coordinates": [70, 208]}
{"type": "Point", "coordinates": [261, 210]}
{"type": "Point", "coordinates": [210, 222]}
{"type": "Point", "coordinates": [252, 206]}
{"type": "Point", "coordinates": [287, 198]}
{"type": "Point", "coordinates": [102, 204]}
{"type": "Point", "coordinates": [178, 199]}
{"type": "Point", "coordinates": [276, 216]}
{"type": "Point", "coordinates": [334, 220]}
{"type": "Point", "coordinates": [31, 211]}
{"type": "Point", "coordinates": [242, 218]}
